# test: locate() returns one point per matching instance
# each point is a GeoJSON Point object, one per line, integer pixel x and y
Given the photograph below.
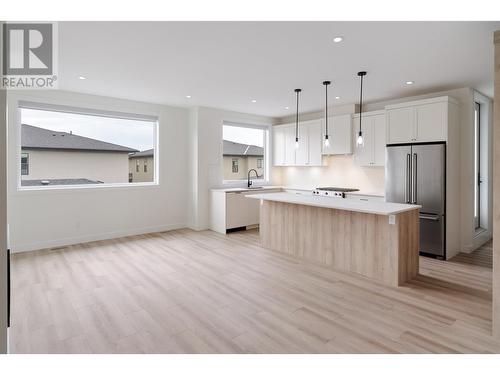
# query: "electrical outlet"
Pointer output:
{"type": "Point", "coordinates": [392, 219]}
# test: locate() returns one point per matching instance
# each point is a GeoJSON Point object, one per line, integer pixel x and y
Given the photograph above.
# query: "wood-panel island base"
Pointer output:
{"type": "Point", "coordinates": [381, 247]}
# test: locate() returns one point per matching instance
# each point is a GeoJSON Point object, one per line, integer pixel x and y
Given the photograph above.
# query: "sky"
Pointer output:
{"type": "Point", "coordinates": [130, 133]}
{"type": "Point", "coordinates": [247, 136]}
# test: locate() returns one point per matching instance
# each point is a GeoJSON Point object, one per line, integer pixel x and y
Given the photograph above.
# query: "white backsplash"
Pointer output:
{"type": "Point", "coordinates": [341, 171]}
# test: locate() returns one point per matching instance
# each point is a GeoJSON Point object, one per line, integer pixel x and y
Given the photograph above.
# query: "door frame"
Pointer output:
{"type": "Point", "coordinates": [496, 192]}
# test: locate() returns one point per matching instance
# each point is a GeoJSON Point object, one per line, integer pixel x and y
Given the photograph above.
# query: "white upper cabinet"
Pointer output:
{"type": "Point", "coordinates": [315, 144]}
{"type": "Point", "coordinates": [431, 122]}
{"type": "Point", "coordinates": [302, 152]}
{"type": "Point", "coordinates": [400, 125]}
{"type": "Point", "coordinates": [372, 154]}
{"type": "Point", "coordinates": [363, 156]}
{"type": "Point", "coordinates": [379, 140]}
{"type": "Point", "coordinates": [289, 145]}
{"type": "Point", "coordinates": [339, 135]}
{"type": "Point", "coordinates": [278, 145]}
{"type": "Point", "coordinates": [419, 121]}
{"type": "Point", "coordinates": [309, 151]}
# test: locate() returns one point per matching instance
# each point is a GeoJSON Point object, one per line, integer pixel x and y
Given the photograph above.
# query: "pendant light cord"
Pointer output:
{"type": "Point", "coordinates": [297, 117]}
{"type": "Point", "coordinates": [326, 109]}
{"type": "Point", "coordinates": [361, 74]}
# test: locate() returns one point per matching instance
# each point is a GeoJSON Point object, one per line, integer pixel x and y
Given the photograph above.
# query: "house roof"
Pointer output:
{"type": "Point", "coordinates": [33, 137]}
{"type": "Point", "coordinates": [64, 181]}
{"type": "Point", "coordinates": [241, 149]}
{"type": "Point", "coordinates": [142, 154]}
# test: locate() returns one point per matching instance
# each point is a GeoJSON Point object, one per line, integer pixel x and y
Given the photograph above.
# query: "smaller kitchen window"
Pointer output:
{"type": "Point", "coordinates": [235, 165]}
{"type": "Point", "coordinates": [25, 164]}
{"type": "Point", "coordinates": [259, 163]}
{"type": "Point", "coordinates": [145, 166]}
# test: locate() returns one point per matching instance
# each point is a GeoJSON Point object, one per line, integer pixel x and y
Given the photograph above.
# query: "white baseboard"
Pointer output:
{"type": "Point", "coordinates": [477, 241]}
{"type": "Point", "coordinates": [40, 245]}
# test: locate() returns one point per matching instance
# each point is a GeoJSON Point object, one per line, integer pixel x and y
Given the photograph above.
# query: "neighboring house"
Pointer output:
{"type": "Point", "coordinates": [239, 158]}
{"type": "Point", "coordinates": [141, 166]}
{"type": "Point", "coordinates": [69, 159]}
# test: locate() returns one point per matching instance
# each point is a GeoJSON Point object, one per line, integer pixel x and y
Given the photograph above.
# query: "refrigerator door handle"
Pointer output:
{"type": "Point", "coordinates": [414, 180]}
{"type": "Point", "coordinates": [429, 217]}
{"type": "Point", "coordinates": [407, 178]}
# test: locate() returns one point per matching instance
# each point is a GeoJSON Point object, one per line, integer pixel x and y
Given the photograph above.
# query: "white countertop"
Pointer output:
{"type": "Point", "coordinates": [240, 189]}
{"type": "Point", "coordinates": [378, 208]}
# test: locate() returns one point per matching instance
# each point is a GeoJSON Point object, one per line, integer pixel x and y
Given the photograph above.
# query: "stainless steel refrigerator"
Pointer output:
{"type": "Point", "coordinates": [416, 173]}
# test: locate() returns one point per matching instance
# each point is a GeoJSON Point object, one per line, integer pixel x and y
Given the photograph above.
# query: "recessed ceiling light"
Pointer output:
{"type": "Point", "coordinates": [337, 97]}
{"type": "Point", "coordinates": [410, 82]}
{"type": "Point", "coordinates": [254, 101]}
{"type": "Point", "coordinates": [287, 107]}
{"type": "Point", "coordinates": [82, 77]}
{"type": "Point", "coordinates": [338, 39]}
{"type": "Point", "coordinates": [188, 96]}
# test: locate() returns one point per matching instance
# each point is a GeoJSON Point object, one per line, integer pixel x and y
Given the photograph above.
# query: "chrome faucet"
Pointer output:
{"type": "Point", "coordinates": [256, 175]}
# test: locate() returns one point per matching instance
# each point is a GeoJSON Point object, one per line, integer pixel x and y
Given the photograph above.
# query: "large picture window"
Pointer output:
{"type": "Point", "coordinates": [244, 149]}
{"type": "Point", "coordinates": [61, 147]}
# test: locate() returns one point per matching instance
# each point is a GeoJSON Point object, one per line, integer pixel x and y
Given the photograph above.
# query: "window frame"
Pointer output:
{"type": "Point", "coordinates": [477, 166]}
{"type": "Point", "coordinates": [22, 101]}
{"type": "Point", "coordinates": [266, 157]}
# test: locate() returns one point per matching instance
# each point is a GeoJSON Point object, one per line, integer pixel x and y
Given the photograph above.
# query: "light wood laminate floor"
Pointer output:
{"type": "Point", "coordinates": [202, 292]}
{"type": "Point", "coordinates": [480, 257]}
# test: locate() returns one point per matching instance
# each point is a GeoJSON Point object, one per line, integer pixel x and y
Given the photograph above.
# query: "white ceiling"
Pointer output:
{"type": "Point", "coordinates": [227, 64]}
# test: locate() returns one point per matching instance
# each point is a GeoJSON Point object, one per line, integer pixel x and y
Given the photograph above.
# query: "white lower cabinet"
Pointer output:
{"type": "Point", "coordinates": [231, 209]}
{"type": "Point", "coordinates": [372, 154]}
{"type": "Point", "coordinates": [365, 198]}
{"type": "Point", "coordinates": [241, 211]}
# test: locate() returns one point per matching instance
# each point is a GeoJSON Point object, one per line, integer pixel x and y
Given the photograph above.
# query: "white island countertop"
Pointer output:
{"type": "Point", "coordinates": [378, 208]}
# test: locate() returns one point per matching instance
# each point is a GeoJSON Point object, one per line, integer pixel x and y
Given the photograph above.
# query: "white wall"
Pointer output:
{"type": "Point", "coordinates": [3, 221]}
{"type": "Point", "coordinates": [205, 159]}
{"type": "Point", "coordinates": [108, 167]}
{"type": "Point", "coordinates": [47, 218]}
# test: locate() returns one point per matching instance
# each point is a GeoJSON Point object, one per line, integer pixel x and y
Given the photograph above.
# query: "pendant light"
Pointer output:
{"type": "Point", "coordinates": [327, 141]}
{"type": "Point", "coordinates": [297, 91]}
{"type": "Point", "coordinates": [360, 141]}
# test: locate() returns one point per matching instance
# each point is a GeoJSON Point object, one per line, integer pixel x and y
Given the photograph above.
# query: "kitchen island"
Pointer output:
{"type": "Point", "coordinates": [378, 240]}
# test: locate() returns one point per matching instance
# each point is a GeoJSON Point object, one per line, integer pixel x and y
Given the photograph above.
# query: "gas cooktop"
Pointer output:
{"type": "Point", "coordinates": [335, 192]}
